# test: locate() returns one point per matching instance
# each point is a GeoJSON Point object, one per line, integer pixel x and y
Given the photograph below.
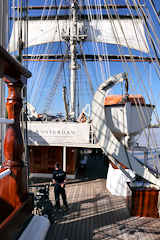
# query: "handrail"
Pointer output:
{"type": "Point", "coordinates": [5, 173]}
{"type": "Point", "coordinates": [11, 66]}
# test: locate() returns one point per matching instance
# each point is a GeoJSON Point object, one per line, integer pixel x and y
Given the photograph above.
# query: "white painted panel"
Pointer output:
{"type": "Point", "coordinates": [50, 133]}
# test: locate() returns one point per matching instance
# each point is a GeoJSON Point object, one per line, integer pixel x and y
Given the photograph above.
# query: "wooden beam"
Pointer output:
{"type": "Point", "coordinates": [82, 17]}
{"type": "Point", "coordinates": [11, 67]}
{"type": "Point", "coordinates": [90, 57]}
{"type": "Point", "coordinates": [110, 6]}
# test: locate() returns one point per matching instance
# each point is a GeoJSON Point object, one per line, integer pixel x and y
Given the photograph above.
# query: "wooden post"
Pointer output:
{"type": "Point", "coordinates": [64, 158]}
{"type": "Point", "coordinates": [16, 204]}
{"type": "Point", "coordinates": [14, 148]}
{"type": "Point", "coordinates": [13, 144]}
{"type": "Point", "coordinates": [13, 188]}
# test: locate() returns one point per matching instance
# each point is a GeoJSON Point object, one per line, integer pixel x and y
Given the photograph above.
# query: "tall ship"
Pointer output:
{"type": "Point", "coordinates": [71, 47]}
{"type": "Point", "coordinates": [93, 91]}
{"type": "Point", "coordinates": [83, 54]}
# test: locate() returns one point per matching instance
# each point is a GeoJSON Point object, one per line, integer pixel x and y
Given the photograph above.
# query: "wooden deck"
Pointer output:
{"type": "Point", "coordinates": [95, 214]}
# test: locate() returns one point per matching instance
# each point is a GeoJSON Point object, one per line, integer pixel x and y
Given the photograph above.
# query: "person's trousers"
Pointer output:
{"type": "Point", "coordinates": [58, 190]}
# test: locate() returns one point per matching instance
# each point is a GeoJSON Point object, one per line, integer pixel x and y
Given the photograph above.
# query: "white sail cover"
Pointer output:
{"type": "Point", "coordinates": [126, 32]}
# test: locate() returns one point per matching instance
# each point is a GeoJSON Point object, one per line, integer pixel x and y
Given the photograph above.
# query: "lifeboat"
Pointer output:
{"type": "Point", "coordinates": [127, 115]}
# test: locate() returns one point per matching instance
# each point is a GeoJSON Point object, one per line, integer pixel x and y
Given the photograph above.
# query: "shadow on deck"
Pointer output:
{"type": "Point", "coordinates": [95, 214]}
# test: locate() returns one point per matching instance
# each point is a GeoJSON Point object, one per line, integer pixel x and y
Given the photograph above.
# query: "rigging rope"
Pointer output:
{"type": "Point", "coordinates": [85, 67]}
{"type": "Point", "coordinates": [149, 134]}
{"type": "Point", "coordinates": [119, 48]}
{"type": "Point", "coordinates": [101, 68]}
{"type": "Point", "coordinates": [41, 71]}
{"type": "Point", "coordinates": [151, 43]}
{"type": "Point", "coordinates": [53, 88]}
{"type": "Point", "coordinates": [104, 66]}
{"type": "Point", "coordinates": [33, 85]}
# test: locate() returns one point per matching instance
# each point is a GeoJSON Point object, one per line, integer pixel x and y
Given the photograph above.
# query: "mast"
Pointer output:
{"type": "Point", "coordinates": [73, 43]}
{"type": "Point", "coordinates": [65, 102]}
{"type": "Point", "coordinates": [72, 28]}
{"type": "Point", "coordinates": [76, 35]}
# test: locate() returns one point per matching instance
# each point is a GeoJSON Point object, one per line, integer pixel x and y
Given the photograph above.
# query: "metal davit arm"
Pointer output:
{"type": "Point", "coordinates": [110, 145]}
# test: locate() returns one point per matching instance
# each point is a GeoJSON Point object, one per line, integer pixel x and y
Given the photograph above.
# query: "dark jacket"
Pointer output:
{"type": "Point", "coordinates": [59, 176]}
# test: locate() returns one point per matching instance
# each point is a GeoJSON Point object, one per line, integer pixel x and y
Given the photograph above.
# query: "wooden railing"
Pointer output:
{"type": "Point", "coordinates": [15, 202]}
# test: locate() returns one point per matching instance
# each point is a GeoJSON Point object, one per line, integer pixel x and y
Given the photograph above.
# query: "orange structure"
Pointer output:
{"type": "Point", "coordinates": [120, 99]}
{"type": "Point", "coordinates": [143, 202]}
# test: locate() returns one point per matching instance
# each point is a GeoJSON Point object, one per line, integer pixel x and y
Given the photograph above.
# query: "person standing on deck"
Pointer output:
{"type": "Point", "coordinates": [59, 177]}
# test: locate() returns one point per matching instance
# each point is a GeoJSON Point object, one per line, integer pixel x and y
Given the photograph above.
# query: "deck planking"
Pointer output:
{"type": "Point", "coordinates": [96, 214]}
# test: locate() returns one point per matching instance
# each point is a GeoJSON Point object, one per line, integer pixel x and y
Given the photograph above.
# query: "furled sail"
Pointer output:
{"type": "Point", "coordinates": [126, 32]}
